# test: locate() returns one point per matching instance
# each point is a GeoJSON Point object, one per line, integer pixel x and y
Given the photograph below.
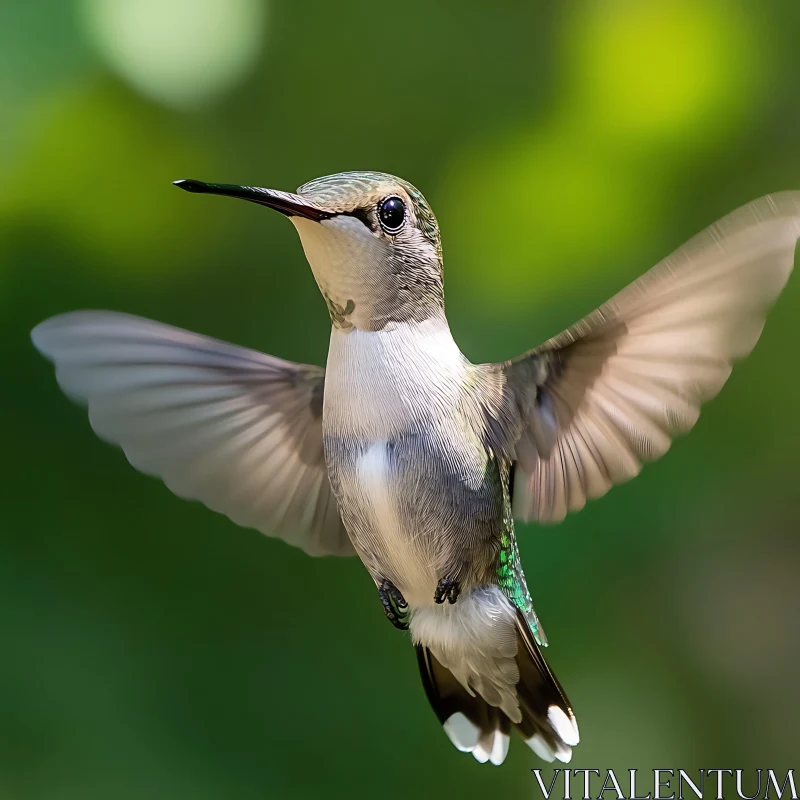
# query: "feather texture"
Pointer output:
{"type": "Point", "coordinates": [236, 429]}
{"type": "Point", "coordinates": [610, 393]}
{"type": "Point", "coordinates": [485, 679]}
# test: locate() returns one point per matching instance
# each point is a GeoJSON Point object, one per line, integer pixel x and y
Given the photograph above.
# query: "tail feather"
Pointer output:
{"type": "Point", "coordinates": [471, 724]}
{"type": "Point", "coordinates": [547, 723]}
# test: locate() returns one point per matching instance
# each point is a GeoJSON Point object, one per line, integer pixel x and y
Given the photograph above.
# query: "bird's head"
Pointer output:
{"type": "Point", "coordinates": [371, 240]}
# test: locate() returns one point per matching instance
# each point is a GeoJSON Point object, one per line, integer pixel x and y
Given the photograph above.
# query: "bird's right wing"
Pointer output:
{"type": "Point", "coordinates": [239, 430]}
{"type": "Point", "coordinates": [609, 393]}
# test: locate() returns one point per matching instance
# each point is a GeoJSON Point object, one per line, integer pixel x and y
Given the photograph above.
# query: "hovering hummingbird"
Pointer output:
{"type": "Point", "coordinates": [403, 452]}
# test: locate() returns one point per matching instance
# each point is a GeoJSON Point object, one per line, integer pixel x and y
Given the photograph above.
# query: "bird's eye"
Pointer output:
{"type": "Point", "coordinates": [392, 213]}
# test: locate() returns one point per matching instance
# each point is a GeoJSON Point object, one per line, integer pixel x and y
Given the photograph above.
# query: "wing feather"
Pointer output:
{"type": "Point", "coordinates": [609, 393]}
{"type": "Point", "coordinates": [236, 429]}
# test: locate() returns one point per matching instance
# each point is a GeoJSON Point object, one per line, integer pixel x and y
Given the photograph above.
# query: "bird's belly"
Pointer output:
{"type": "Point", "coordinates": [416, 512]}
{"type": "Point", "coordinates": [392, 543]}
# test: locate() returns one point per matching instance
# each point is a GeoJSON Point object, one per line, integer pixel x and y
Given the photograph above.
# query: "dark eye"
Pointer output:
{"type": "Point", "coordinates": [392, 213]}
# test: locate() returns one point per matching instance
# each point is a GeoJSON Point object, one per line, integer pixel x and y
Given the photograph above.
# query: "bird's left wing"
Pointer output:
{"type": "Point", "coordinates": [608, 394]}
{"type": "Point", "coordinates": [239, 430]}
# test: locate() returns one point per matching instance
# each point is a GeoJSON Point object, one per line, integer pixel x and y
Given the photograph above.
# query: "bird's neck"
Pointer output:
{"type": "Point", "coordinates": [388, 302]}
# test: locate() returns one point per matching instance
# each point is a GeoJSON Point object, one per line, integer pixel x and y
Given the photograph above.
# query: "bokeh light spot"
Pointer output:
{"type": "Point", "coordinates": [182, 53]}
{"type": "Point", "coordinates": [654, 69]}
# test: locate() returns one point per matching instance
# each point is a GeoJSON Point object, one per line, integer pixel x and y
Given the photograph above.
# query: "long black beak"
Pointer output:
{"type": "Point", "coordinates": [292, 205]}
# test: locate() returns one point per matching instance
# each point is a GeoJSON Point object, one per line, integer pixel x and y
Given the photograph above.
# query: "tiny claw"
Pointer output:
{"type": "Point", "coordinates": [395, 606]}
{"type": "Point", "coordinates": [447, 589]}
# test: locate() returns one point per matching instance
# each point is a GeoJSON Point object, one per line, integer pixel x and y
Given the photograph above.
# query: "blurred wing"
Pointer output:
{"type": "Point", "coordinates": [609, 393]}
{"type": "Point", "coordinates": [236, 429]}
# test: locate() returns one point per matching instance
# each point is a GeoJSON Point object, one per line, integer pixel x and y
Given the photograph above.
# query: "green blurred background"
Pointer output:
{"type": "Point", "coordinates": [150, 648]}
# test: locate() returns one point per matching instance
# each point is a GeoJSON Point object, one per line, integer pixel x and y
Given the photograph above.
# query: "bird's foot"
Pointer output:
{"type": "Point", "coordinates": [447, 589]}
{"type": "Point", "coordinates": [394, 605]}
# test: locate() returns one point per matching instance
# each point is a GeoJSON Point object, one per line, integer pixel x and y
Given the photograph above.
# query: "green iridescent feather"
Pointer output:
{"type": "Point", "coordinates": [510, 576]}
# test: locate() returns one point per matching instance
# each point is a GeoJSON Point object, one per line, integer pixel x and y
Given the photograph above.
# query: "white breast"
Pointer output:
{"type": "Point", "coordinates": [377, 383]}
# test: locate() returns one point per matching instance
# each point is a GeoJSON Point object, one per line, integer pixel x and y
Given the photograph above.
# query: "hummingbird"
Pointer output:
{"type": "Point", "coordinates": [403, 452]}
